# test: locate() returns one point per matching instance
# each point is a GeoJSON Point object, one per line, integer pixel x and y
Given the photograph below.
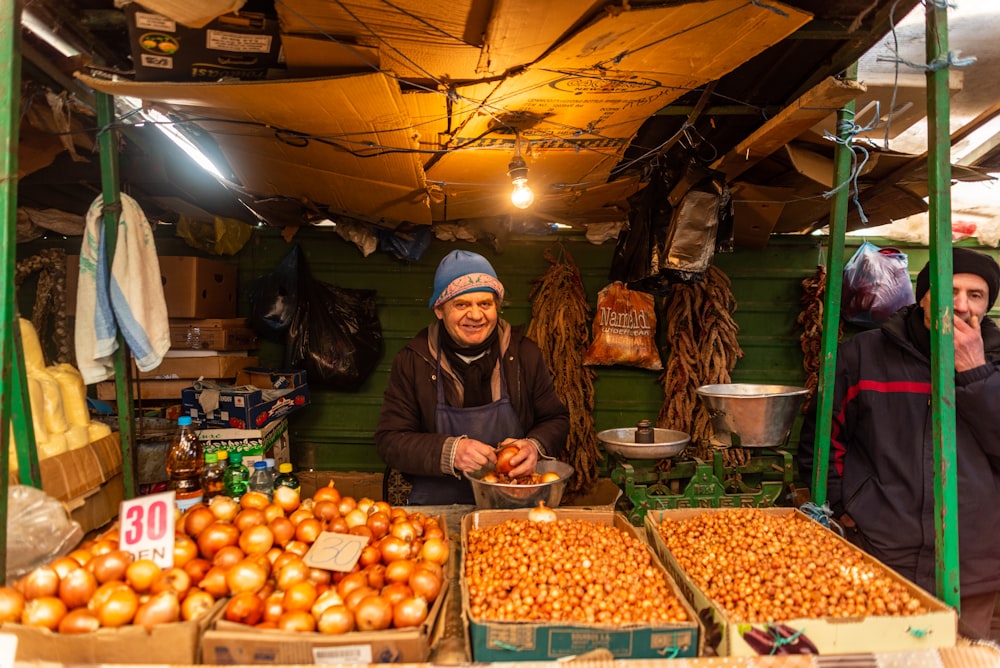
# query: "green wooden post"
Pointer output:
{"type": "Point", "coordinates": [112, 212]}
{"type": "Point", "coordinates": [942, 309]}
{"type": "Point", "coordinates": [831, 305]}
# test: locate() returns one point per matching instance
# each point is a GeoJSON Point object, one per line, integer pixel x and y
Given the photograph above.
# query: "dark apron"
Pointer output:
{"type": "Point", "coordinates": [490, 424]}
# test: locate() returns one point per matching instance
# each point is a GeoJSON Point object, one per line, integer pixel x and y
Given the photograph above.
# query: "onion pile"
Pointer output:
{"type": "Point", "coordinates": [767, 568]}
{"type": "Point", "coordinates": [251, 552]}
{"type": "Point", "coordinates": [565, 570]}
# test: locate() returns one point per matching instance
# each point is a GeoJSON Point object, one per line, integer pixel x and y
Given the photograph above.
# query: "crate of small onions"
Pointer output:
{"type": "Point", "coordinates": [778, 582]}
{"type": "Point", "coordinates": [542, 584]}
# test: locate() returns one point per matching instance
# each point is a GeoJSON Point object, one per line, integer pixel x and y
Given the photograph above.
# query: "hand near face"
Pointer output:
{"type": "Point", "coordinates": [968, 344]}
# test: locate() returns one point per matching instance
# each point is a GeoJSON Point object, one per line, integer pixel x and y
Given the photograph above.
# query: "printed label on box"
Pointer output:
{"type": "Point", "coordinates": [231, 41]}
{"type": "Point", "coordinates": [148, 21]}
{"type": "Point", "coordinates": [344, 654]}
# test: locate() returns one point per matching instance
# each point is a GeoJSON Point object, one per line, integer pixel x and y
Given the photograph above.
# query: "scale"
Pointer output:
{"type": "Point", "coordinates": [745, 467]}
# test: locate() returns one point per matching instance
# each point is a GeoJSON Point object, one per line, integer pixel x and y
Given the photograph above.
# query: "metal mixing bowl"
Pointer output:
{"type": "Point", "coordinates": [666, 443]}
{"type": "Point", "coordinates": [752, 416]}
{"type": "Point", "coordinates": [494, 496]}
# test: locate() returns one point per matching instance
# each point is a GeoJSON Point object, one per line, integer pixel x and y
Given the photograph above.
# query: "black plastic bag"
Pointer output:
{"type": "Point", "coordinates": [275, 297]}
{"type": "Point", "coordinates": [335, 334]}
{"type": "Point", "coordinates": [876, 285]}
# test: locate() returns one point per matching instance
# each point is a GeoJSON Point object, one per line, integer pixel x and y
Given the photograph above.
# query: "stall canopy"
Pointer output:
{"type": "Point", "coordinates": [412, 112]}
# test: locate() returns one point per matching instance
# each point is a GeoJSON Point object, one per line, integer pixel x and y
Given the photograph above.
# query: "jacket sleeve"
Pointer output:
{"type": "Point", "coordinates": [977, 403]}
{"type": "Point", "coordinates": [548, 417]}
{"type": "Point", "coordinates": [404, 438]}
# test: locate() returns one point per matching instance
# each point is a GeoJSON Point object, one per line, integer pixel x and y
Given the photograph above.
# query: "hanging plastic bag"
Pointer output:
{"type": "Point", "coordinates": [624, 329]}
{"type": "Point", "coordinates": [275, 297]}
{"type": "Point", "coordinates": [335, 334]}
{"type": "Point", "coordinates": [876, 285]}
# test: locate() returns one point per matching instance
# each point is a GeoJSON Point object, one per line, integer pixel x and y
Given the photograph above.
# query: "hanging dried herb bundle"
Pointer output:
{"type": "Point", "coordinates": [559, 317]}
{"type": "Point", "coordinates": [811, 321]}
{"type": "Point", "coordinates": [701, 334]}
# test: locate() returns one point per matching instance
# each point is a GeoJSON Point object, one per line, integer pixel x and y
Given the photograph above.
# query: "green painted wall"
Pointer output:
{"type": "Point", "coordinates": [335, 432]}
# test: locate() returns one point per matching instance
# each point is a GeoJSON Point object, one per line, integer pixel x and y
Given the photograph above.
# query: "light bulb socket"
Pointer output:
{"type": "Point", "coordinates": [517, 170]}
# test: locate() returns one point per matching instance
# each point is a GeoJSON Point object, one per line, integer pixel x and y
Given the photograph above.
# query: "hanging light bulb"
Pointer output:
{"type": "Point", "coordinates": [521, 196]}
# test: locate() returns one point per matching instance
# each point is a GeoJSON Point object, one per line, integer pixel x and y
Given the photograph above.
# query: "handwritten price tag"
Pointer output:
{"type": "Point", "coordinates": [147, 528]}
{"type": "Point", "coordinates": [335, 551]}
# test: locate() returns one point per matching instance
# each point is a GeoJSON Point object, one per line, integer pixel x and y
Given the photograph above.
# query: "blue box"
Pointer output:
{"type": "Point", "coordinates": [245, 407]}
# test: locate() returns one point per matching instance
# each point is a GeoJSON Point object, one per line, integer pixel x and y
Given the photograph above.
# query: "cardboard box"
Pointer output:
{"type": "Point", "coordinates": [254, 444]}
{"type": "Point", "coordinates": [243, 407]}
{"type": "Point", "coordinates": [146, 389]}
{"type": "Point", "coordinates": [165, 644]}
{"type": "Point", "coordinates": [534, 641]}
{"type": "Point", "coordinates": [604, 496]}
{"type": "Point", "coordinates": [195, 287]}
{"type": "Point", "coordinates": [350, 483]}
{"type": "Point", "coordinates": [78, 472]}
{"type": "Point", "coordinates": [271, 379]}
{"type": "Point", "coordinates": [231, 643]}
{"type": "Point", "coordinates": [242, 45]}
{"type": "Point", "coordinates": [212, 334]}
{"type": "Point", "coordinates": [98, 507]}
{"type": "Point", "coordinates": [199, 366]}
{"type": "Point", "coordinates": [831, 635]}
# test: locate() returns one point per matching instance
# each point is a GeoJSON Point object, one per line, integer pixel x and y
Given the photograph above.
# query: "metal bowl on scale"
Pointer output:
{"type": "Point", "coordinates": [621, 442]}
{"type": "Point", "coordinates": [748, 415]}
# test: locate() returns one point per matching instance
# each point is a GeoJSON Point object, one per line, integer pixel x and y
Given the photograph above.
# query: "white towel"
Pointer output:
{"type": "Point", "coordinates": [129, 298]}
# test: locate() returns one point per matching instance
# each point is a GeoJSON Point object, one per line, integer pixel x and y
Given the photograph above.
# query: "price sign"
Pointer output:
{"type": "Point", "coordinates": [335, 551]}
{"type": "Point", "coordinates": [8, 649]}
{"type": "Point", "coordinates": [147, 528]}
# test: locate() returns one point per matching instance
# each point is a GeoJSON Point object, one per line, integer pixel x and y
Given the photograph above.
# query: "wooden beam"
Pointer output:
{"type": "Point", "coordinates": [789, 123]}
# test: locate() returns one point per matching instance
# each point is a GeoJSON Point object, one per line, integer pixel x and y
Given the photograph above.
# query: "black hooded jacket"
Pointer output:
{"type": "Point", "coordinates": [882, 454]}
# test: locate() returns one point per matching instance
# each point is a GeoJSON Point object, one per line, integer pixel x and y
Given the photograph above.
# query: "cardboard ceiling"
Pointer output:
{"type": "Point", "coordinates": [384, 147]}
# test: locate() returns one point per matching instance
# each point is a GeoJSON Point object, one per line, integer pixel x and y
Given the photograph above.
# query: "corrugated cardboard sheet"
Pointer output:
{"type": "Point", "coordinates": [572, 98]}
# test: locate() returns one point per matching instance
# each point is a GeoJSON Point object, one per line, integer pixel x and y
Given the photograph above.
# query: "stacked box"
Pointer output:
{"type": "Point", "coordinates": [253, 444]}
{"type": "Point", "coordinates": [830, 635]}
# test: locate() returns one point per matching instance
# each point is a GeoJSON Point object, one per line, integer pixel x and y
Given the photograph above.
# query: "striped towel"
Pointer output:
{"type": "Point", "coordinates": [129, 297]}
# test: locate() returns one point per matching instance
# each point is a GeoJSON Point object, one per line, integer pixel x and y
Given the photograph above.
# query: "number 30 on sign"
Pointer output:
{"type": "Point", "coordinates": [147, 528]}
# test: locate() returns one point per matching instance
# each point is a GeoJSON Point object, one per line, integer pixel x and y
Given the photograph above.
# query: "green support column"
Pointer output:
{"type": "Point", "coordinates": [942, 308]}
{"type": "Point", "coordinates": [112, 212]}
{"type": "Point", "coordinates": [831, 305]}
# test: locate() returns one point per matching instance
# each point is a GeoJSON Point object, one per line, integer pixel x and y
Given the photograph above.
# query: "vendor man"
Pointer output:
{"type": "Point", "coordinates": [462, 386]}
{"type": "Point", "coordinates": [881, 479]}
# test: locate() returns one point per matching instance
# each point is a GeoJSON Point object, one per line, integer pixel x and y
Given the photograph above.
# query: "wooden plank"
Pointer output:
{"type": "Point", "coordinates": [788, 124]}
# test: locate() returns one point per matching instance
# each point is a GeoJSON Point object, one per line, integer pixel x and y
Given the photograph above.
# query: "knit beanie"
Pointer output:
{"type": "Point", "coordinates": [965, 261]}
{"type": "Point", "coordinates": [460, 272]}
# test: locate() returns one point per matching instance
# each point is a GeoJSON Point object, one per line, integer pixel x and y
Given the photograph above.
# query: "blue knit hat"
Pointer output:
{"type": "Point", "coordinates": [460, 272]}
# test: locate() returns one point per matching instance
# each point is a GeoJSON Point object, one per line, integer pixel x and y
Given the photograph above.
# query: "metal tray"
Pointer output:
{"type": "Point", "coordinates": [666, 443]}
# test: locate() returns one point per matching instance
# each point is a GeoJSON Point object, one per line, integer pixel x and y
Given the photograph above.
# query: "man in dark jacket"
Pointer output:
{"type": "Point", "coordinates": [462, 386]}
{"type": "Point", "coordinates": [881, 478]}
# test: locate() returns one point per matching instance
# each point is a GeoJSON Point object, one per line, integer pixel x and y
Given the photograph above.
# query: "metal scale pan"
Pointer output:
{"type": "Point", "coordinates": [621, 442]}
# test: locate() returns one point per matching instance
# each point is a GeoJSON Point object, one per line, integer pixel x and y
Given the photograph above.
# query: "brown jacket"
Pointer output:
{"type": "Point", "coordinates": [405, 436]}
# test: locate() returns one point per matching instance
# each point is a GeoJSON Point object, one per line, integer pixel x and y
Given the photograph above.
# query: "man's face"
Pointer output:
{"type": "Point", "coordinates": [971, 294]}
{"type": "Point", "coordinates": [469, 318]}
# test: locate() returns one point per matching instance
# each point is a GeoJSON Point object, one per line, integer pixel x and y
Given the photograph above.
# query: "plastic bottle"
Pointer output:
{"type": "Point", "coordinates": [237, 477]}
{"type": "Point", "coordinates": [286, 478]}
{"type": "Point", "coordinates": [260, 481]}
{"type": "Point", "coordinates": [272, 472]}
{"type": "Point", "coordinates": [185, 460]}
{"type": "Point", "coordinates": [212, 483]}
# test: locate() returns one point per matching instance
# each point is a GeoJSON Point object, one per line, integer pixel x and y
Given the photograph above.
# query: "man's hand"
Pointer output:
{"type": "Point", "coordinates": [968, 344]}
{"type": "Point", "coordinates": [525, 459]}
{"type": "Point", "coordinates": [472, 455]}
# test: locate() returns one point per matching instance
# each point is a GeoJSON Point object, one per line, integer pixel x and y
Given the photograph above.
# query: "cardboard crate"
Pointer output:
{"type": "Point", "coordinates": [271, 379]}
{"type": "Point", "coordinates": [243, 407]}
{"type": "Point", "coordinates": [195, 287]}
{"type": "Point", "coordinates": [212, 334]}
{"type": "Point", "coordinates": [545, 641]}
{"type": "Point", "coordinates": [176, 643]}
{"type": "Point", "coordinates": [100, 506]}
{"type": "Point", "coordinates": [234, 46]}
{"type": "Point", "coordinates": [253, 444]}
{"type": "Point", "coordinates": [231, 643]}
{"type": "Point", "coordinates": [81, 471]}
{"type": "Point", "coordinates": [831, 635]}
{"type": "Point", "coordinates": [223, 366]}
